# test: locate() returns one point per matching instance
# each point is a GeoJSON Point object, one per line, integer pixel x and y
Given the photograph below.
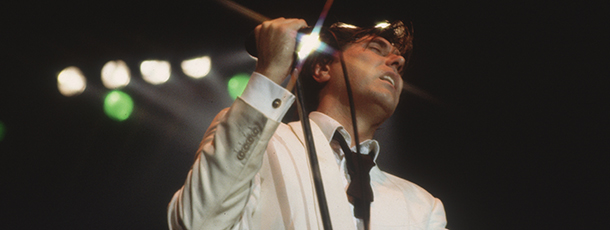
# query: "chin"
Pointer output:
{"type": "Point", "coordinates": [386, 105]}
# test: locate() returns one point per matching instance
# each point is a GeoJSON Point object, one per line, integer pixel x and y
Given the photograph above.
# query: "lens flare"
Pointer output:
{"type": "Point", "coordinates": [308, 44]}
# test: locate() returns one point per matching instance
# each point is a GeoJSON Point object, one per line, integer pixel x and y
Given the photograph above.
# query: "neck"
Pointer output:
{"type": "Point", "coordinates": [366, 128]}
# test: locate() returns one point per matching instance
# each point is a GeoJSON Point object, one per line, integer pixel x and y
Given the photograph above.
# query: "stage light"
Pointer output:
{"type": "Point", "coordinates": [345, 25]}
{"type": "Point", "coordinates": [115, 74]}
{"type": "Point", "coordinates": [237, 84]}
{"type": "Point", "coordinates": [382, 25]}
{"type": "Point", "coordinates": [197, 67]}
{"type": "Point", "coordinates": [2, 130]}
{"type": "Point", "coordinates": [118, 105]}
{"type": "Point", "coordinates": [71, 81]}
{"type": "Point", "coordinates": [155, 71]}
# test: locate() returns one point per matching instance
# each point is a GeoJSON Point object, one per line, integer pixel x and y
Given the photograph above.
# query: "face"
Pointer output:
{"type": "Point", "coordinates": [374, 67]}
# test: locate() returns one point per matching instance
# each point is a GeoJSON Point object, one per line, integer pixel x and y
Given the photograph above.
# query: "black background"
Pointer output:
{"type": "Point", "coordinates": [515, 139]}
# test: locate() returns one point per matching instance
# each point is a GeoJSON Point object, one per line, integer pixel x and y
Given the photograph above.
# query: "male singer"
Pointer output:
{"type": "Point", "coordinates": [252, 171]}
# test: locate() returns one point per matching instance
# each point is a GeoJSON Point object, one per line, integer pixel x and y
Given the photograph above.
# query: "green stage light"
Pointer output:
{"type": "Point", "coordinates": [237, 84]}
{"type": "Point", "coordinates": [2, 130]}
{"type": "Point", "coordinates": [118, 105]}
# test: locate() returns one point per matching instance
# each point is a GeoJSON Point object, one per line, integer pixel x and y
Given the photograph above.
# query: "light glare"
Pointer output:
{"type": "Point", "coordinates": [155, 71]}
{"type": "Point", "coordinates": [197, 67]}
{"type": "Point", "coordinates": [345, 25]}
{"type": "Point", "coordinates": [308, 44]}
{"type": "Point", "coordinates": [71, 81]}
{"type": "Point", "coordinates": [115, 74]}
{"type": "Point", "coordinates": [382, 25]}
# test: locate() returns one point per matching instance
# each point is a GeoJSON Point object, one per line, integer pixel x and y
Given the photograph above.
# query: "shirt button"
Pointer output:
{"type": "Point", "coordinates": [276, 103]}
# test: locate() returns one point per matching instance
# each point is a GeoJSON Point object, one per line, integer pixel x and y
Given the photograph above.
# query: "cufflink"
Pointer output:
{"type": "Point", "coordinates": [276, 103]}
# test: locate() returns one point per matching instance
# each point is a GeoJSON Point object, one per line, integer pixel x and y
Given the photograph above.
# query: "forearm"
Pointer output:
{"type": "Point", "coordinates": [218, 186]}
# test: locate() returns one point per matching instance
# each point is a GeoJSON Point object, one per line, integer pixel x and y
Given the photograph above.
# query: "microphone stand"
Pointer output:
{"type": "Point", "coordinates": [311, 149]}
{"type": "Point", "coordinates": [313, 157]}
{"type": "Point", "coordinates": [307, 133]}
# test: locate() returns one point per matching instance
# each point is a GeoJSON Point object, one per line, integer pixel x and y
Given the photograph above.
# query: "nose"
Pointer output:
{"type": "Point", "coordinates": [396, 61]}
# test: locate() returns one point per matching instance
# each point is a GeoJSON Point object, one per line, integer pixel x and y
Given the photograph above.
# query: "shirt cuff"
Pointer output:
{"type": "Point", "coordinates": [267, 97]}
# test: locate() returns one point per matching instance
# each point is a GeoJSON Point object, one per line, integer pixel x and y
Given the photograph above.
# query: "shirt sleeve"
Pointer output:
{"type": "Point", "coordinates": [269, 98]}
{"type": "Point", "coordinates": [438, 220]}
{"type": "Point", "coordinates": [223, 176]}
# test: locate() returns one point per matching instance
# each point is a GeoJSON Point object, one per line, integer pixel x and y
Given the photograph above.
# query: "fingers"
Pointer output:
{"type": "Point", "coordinates": [280, 25]}
{"type": "Point", "coordinates": [275, 43]}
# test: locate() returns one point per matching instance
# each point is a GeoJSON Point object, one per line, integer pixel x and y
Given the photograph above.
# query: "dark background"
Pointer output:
{"type": "Point", "coordinates": [515, 141]}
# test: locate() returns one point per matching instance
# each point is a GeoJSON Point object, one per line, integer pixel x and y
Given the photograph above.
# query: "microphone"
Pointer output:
{"type": "Point", "coordinates": [250, 44]}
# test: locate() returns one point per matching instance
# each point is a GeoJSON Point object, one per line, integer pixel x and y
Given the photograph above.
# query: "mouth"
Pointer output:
{"type": "Point", "coordinates": [388, 79]}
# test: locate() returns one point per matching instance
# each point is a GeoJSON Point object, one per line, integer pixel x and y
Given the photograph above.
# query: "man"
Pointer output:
{"type": "Point", "coordinates": [252, 171]}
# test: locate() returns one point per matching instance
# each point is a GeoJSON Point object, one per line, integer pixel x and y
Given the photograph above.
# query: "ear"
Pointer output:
{"type": "Point", "coordinates": [321, 73]}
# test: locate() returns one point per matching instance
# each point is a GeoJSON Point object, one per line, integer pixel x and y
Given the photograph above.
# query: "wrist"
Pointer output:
{"type": "Point", "coordinates": [276, 75]}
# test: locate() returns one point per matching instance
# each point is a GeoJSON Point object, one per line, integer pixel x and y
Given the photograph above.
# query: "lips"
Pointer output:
{"type": "Point", "coordinates": [388, 79]}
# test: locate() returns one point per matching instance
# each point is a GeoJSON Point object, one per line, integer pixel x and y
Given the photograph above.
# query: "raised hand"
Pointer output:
{"type": "Point", "coordinates": [275, 43]}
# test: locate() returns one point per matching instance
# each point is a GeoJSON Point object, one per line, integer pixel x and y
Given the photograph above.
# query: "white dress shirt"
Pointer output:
{"type": "Point", "coordinates": [252, 173]}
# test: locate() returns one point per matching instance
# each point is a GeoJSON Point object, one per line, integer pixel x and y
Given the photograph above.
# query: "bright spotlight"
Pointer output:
{"type": "Point", "coordinates": [345, 25]}
{"type": "Point", "coordinates": [115, 74]}
{"type": "Point", "coordinates": [307, 44]}
{"type": "Point", "coordinates": [237, 85]}
{"type": "Point", "coordinates": [118, 105]}
{"type": "Point", "coordinates": [382, 25]}
{"type": "Point", "coordinates": [71, 81]}
{"type": "Point", "coordinates": [155, 71]}
{"type": "Point", "coordinates": [197, 67]}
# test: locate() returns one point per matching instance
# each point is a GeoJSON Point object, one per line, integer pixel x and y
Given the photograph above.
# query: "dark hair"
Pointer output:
{"type": "Point", "coordinates": [339, 36]}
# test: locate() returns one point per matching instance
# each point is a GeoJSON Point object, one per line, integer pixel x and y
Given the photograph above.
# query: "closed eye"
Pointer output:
{"type": "Point", "coordinates": [376, 49]}
{"type": "Point", "coordinates": [379, 47]}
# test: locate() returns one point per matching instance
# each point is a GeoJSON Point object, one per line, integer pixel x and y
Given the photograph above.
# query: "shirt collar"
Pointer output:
{"type": "Point", "coordinates": [329, 126]}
